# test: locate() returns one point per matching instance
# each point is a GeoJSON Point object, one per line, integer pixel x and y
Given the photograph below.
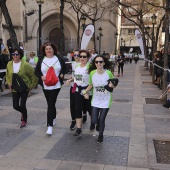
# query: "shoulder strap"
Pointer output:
{"type": "Point", "coordinates": [52, 65]}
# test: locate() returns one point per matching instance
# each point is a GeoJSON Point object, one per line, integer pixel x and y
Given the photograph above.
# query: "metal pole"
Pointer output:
{"type": "Point", "coordinates": [153, 42]}
{"type": "Point", "coordinates": [40, 41]}
{"type": "Point", "coordinates": [100, 44]}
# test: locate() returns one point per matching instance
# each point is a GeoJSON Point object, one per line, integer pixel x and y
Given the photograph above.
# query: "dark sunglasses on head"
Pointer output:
{"type": "Point", "coordinates": [15, 54]}
{"type": "Point", "coordinates": [83, 56]}
{"type": "Point", "coordinates": [96, 62]}
{"type": "Point", "coordinates": [76, 55]}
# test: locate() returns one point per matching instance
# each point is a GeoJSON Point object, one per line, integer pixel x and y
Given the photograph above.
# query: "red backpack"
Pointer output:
{"type": "Point", "coordinates": [51, 77]}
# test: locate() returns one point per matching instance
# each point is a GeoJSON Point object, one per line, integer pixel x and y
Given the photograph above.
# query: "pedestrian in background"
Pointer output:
{"type": "Point", "coordinates": [33, 60]}
{"type": "Point", "coordinates": [120, 63]}
{"type": "Point", "coordinates": [50, 59]}
{"type": "Point", "coordinates": [26, 72]}
{"type": "Point", "coordinates": [101, 98]}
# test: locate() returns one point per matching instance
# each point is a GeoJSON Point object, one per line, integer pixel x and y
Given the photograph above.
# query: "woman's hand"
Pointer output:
{"type": "Point", "coordinates": [86, 96]}
{"type": "Point", "coordinates": [10, 86]}
{"type": "Point", "coordinates": [111, 85]}
{"type": "Point", "coordinates": [43, 78]}
{"type": "Point", "coordinates": [61, 75]}
{"type": "Point", "coordinates": [68, 81]}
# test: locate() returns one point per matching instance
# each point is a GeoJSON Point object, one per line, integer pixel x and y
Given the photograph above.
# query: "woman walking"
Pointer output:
{"type": "Point", "coordinates": [101, 98]}
{"type": "Point", "coordinates": [81, 77]}
{"type": "Point", "coordinates": [28, 80]}
{"type": "Point", "coordinates": [72, 96]}
{"type": "Point", "coordinates": [50, 59]}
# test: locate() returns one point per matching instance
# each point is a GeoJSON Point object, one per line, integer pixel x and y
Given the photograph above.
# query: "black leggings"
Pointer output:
{"type": "Point", "coordinates": [51, 98]}
{"type": "Point", "coordinates": [120, 66]}
{"type": "Point", "coordinates": [81, 104]}
{"type": "Point", "coordinates": [99, 119]}
{"type": "Point", "coordinates": [19, 103]}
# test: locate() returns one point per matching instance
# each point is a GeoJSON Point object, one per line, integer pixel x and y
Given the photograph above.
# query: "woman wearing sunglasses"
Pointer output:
{"type": "Point", "coordinates": [101, 98]}
{"type": "Point", "coordinates": [81, 77]}
{"type": "Point", "coordinates": [26, 72]}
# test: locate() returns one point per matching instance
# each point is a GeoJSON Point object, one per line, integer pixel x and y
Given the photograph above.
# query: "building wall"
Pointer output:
{"type": "Point", "coordinates": [26, 27]}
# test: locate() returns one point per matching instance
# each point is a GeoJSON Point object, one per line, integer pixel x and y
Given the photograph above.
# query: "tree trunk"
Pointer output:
{"type": "Point", "coordinates": [10, 26]}
{"type": "Point", "coordinates": [62, 48]}
{"type": "Point", "coordinates": [167, 18]}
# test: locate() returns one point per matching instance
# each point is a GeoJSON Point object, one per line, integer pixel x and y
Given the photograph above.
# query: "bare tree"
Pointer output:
{"type": "Point", "coordinates": [62, 48]}
{"type": "Point", "coordinates": [91, 9]}
{"type": "Point", "coordinates": [9, 24]}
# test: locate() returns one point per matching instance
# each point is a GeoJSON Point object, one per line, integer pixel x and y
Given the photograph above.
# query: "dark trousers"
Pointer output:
{"type": "Point", "coordinates": [120, 66]}
{"type": "Point", "coordinates": [72, 105]}
{"type": "Point", "coordinates": [19, 103]}
{"type": "Point", "coordinates": [98, 116]}
{"type": "Point", "coordinates": [51, 98]}
{"type": "Point", "coordinates": [81, 104]}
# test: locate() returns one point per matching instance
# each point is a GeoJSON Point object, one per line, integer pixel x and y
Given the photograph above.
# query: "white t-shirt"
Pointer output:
{"type": "Point", "coordinates": [16, 67]}
{"type": "Point", "coordinates": [74, 64]}
{"type": "Point", "coordinates": [112, 57]}
{"type": "Point", "coordinates": [81, 75]}
{"type": "Point", "coordinates": [32, 62]}
{"type": "Point", "coordinates": [101, 98]}
{"type": "Point", "coordinates": [57, 67]}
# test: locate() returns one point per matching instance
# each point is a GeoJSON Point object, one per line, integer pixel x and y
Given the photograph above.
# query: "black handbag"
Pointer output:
{"type": "Point", "coordinates": [18, 83]}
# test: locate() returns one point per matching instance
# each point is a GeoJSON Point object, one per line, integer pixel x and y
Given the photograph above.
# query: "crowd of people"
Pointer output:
{"type": "Point", "coordinates": [91, 83]}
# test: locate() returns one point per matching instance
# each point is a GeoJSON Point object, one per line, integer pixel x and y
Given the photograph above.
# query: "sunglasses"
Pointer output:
{"type": "Point", "coordinates": [96, 62]}
{"type": "Point", "coordinates": [83, 56]}
{"type": "Point", "coordinates": [15, 54]}
{"type": "Point", "coordinates": [76, 55]}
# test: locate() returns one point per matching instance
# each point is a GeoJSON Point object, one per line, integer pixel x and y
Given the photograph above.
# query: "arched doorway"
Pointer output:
{"type": "Point", "coordinates": [55, 36]}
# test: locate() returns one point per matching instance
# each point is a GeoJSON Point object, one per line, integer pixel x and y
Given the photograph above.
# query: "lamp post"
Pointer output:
{"type": "Point", "coordinates": [40, 2]}
{"type": "Point", "coordinates": [147, 41]}
{"type": "Point", "coordinates": [153, 17]}
{"type": "Point", "coordinates": [100, 36]}
{"type": "Point", "coordinates": [116, 34]}
{"type": "Point", "coordinates": [153, 44]}
{"type": "Point", "coordinates": [83, 22]}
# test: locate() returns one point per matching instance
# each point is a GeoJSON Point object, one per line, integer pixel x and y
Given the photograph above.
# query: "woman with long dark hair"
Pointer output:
{"type": "Point", "coordinates": [50, 59]}
{"type": "Point", "coordinates": [101, 98]}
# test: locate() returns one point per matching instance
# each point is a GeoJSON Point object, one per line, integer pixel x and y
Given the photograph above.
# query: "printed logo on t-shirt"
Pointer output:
{"type": "Point", "coordinates": [100, 89]}
{"type": "Point", "coordinates": [78, 78]}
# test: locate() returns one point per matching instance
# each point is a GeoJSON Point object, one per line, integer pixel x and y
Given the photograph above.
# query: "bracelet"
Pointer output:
{"type": "Point", "coordinates": [84, 92]}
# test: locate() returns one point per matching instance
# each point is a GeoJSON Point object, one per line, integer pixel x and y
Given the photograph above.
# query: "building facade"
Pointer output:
{"type": "Point", "coordinates": [25, 18]}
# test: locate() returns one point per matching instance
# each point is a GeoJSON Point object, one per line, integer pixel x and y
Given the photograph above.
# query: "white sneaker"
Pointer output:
{"type": "Point", "coordinates": [49, 130]}
{"type": "Point", "coordinates": [54, 122]}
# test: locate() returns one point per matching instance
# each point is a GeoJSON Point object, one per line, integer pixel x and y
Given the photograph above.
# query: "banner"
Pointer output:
{"type": "Point", "coordinates": [140, 41]}
{"type": "Point", "coordinates": [87, 34]}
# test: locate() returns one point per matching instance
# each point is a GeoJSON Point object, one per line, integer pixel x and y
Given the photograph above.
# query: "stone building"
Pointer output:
{"type": "Point", "coordinates": [25, 18]}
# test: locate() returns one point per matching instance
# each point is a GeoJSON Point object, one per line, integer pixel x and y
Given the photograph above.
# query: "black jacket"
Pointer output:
{"type": "Point", "coordinates": [38, 72]}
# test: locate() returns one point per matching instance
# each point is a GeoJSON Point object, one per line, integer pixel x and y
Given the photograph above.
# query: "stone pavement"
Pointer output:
{"type": "Point", "coordinates": [131, 126]}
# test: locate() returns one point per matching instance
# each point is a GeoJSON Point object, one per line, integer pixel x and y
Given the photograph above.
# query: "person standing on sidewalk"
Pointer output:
{"type": "Point", "coordinates": [120, 62]}
{"type": "Point", "coordinates": [81, 77]}
{"type": "Point", "coordinates": [101, 98]}
{"type": "Point", "coordinates": [50, 59]}
{"type": "Point", "coordinates": [26, 72]}
{"type": "Point", "coordinates": [72, 96]}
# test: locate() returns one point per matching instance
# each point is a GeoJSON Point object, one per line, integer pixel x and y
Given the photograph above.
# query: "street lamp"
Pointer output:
{"type": "Point", "coordinates": [153, 44]}
{"type": "Point", "coordinates": [100, 36]}
{"type": "Point", "coordinates": [153, 17]}
{"type": "Point", "coordinates": [40, 2]}
{"type": "Point", "coordinates": [83, 21]}
{"type": "Point", "coordinates": [116, 34]}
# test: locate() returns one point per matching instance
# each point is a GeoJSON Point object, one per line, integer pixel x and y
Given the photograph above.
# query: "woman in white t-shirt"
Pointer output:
{"type": "Point", "coordinates": [50, 59]}
{"type": "Point", "coordinates": [101, 98]}
{"type": "Point", "coordinates": [81, 77]}
{"type": "Point", "coordinates": [33, 60]}
{"type": "Point", "coordinates": [113, 60]}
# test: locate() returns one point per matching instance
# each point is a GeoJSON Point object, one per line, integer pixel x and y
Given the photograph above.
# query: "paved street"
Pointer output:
{"type": "Point", "coordinates": [131, 125]}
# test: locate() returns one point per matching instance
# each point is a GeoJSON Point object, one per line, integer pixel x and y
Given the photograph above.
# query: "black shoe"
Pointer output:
{"type": "Point", "coordinates": [100, 139]}
{"type": "Point", "coordinates": [97, 127]}
{"type": "Point", "coordinates": [78, 132]}
{"type": "Point", "coordinates": [92, 126]}
{"type": "Point", "coordinates": [72, 126]}
{"type": "Point", "coordinates": [84, 119]}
